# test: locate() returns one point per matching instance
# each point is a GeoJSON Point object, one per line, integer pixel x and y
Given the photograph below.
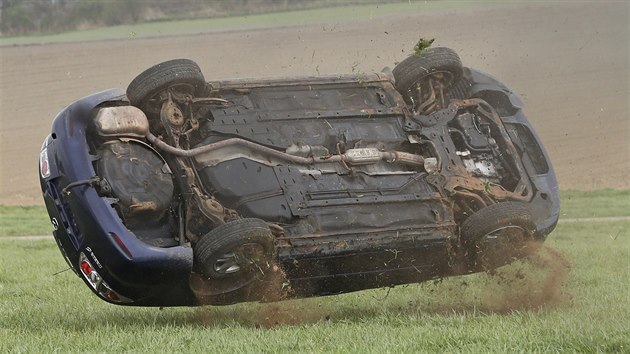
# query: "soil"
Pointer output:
{"type": "Point", "coordinates": [568, 61]}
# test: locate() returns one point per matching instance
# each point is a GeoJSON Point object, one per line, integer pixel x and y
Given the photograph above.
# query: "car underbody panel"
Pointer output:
{"type": "Point", "coordinates": [355, 181]}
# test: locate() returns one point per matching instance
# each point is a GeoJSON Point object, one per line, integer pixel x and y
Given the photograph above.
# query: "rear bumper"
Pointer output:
{"type": "Point", "coordinates": [88, 224]}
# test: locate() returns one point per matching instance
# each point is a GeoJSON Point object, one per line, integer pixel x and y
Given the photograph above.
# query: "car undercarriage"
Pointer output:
{"type": "Point", "coordinates": [308, 186]}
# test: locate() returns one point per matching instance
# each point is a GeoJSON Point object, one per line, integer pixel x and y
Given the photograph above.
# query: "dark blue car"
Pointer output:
{"type": "Point", "coordinates": [182, 192]}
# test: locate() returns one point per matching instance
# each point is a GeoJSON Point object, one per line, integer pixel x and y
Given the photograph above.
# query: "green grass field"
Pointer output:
{"type": "Point", "coordinates": [24, 220]}
{"type": "Point", "coordinates": [572, 297]}
{"type": "Point", "coordinates": [329, 15]}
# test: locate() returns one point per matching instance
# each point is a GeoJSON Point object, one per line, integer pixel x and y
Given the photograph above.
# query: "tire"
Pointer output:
{"type": "Point", "coordinates": [498, 234]}
{"type": "Point", "coordinates": [431, 61]}
{"type": "Point", "coordinates": [162, 76]}
{"type": "Point", "coordinates": [238, 251]}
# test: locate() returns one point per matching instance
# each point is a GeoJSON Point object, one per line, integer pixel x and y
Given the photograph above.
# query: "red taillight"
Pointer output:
{"type": "Point", "coordinates": [44, 166]}
{"type": "Point", "coordinates": [97, 283]}
{"type": "Point", "coordinates": [86, 268]}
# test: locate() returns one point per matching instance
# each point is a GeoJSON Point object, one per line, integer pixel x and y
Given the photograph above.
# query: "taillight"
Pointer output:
{"type": "Point", "coordinates": [97, 283]}
{"type": "Point", "coordinates": [93, 278]}
{"type": "Point", "coordinates": [86, 268]}
{"type": "Point", "coordinates": [44, 166]}
{"type": "Point", "coordinates": [110, 295]}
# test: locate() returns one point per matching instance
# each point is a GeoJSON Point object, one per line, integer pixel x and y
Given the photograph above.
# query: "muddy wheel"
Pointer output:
{"type": "Point", "coordinates": [498, 234]}
{"type": "Point", "coordinates": [422, 78]}
{"type": "Point", "coordinates": [234, 254]}
{"type": "Point", "coordinates": [179, 75]}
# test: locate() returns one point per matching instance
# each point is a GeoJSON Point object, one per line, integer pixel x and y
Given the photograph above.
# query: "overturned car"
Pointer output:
{"type": "Point", "coordinates": [183, 192]}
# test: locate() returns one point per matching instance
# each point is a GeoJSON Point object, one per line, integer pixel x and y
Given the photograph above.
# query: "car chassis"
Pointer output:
{"type": "Point", "coordinates": [182, 192]}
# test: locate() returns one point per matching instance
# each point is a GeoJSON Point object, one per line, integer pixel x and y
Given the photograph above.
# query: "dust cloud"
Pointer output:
{"type": "Point", "coordinates": [535, 283]}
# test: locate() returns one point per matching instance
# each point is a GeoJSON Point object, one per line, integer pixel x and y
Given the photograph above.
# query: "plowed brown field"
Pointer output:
{"type": "Point", "coordinates": [568, 61]}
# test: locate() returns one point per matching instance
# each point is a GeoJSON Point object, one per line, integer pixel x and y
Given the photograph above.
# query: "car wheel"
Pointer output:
{"type": "Point", "coordinates": [498, 234]}
{"type": "Point", "coordinates": [422, 78]}
{"type": "Point", "coordinates": [235, 254]}
{"type": "Point", "coordinates": [180, 75]}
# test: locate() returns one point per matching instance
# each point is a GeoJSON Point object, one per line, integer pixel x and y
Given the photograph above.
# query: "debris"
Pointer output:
{"type": "Point", "coordinates": [422, 45]}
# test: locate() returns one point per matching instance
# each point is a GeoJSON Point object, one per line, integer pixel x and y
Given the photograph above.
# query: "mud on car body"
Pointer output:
{"type": "Point", "coordinates": [184, 192]}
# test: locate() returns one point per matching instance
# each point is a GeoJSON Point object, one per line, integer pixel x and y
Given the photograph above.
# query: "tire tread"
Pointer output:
{"type": "Point", "coordinates": [160, 76]}
{"type": "Point", "coordinates": [415, 67]}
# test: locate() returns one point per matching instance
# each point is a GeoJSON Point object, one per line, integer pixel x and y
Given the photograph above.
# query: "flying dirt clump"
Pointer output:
{"type": "Point", "coordinates": [422, 45]}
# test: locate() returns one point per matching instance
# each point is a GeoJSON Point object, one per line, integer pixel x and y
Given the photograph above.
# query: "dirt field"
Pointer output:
{"type": "Point", "coordinates": [568, 61]}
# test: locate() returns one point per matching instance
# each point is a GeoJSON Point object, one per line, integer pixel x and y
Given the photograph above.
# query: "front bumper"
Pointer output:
{"type": "Point", "coordinates": [545, 205]}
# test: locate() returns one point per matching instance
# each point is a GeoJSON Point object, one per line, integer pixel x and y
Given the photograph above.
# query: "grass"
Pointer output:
{"type": "Point", "coordinates": [573, 297]}
{"type": "Point", "coordinates": [24, 220]}
{"type": "Point", "coordinates": [279, 19]}
{"type": "Point", "coordinates": [605, 202]}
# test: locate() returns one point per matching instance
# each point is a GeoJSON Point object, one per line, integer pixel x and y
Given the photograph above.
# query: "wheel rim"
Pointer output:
{"type": "Point", "coordinates": [510, 231]}
{"type": "Point", "coordinates": [502, 245]}
{"type": "Point", "coordinates": [238, 259]}
{"type": "Point", "coordinates": [179, 90]}
{"type": "Point", "coordinates": [227, 264]}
